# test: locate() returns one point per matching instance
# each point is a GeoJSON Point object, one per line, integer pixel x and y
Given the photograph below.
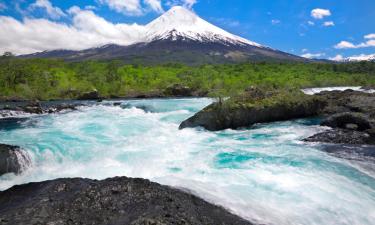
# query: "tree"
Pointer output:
{"type": "Point", "coordinates": [8, 54]}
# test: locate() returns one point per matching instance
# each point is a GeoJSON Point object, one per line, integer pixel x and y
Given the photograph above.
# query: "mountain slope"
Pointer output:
{"type": "Point", "coordinates": [178, 35]}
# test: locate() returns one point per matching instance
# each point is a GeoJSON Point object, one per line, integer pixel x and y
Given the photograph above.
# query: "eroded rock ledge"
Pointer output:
{"type": "Point", "coordinates": [13, 159]}
{"type": "Point", "coordinates": [113, 201]}
{"type": "Point", "coordinates": [256, 106]}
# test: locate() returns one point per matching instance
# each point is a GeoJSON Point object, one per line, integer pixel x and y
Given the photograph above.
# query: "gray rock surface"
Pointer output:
{"type": "Point", "coordinates": [13, 159]}
{"type": "Point", "coordinates": [113, 201]}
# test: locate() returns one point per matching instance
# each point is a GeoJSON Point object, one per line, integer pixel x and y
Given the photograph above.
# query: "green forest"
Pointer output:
{"type": "Point", "coordinates": [46, 79]}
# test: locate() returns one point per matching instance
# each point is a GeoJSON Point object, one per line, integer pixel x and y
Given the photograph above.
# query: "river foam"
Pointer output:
{"type": "Point", "coordinates": [264, 174]}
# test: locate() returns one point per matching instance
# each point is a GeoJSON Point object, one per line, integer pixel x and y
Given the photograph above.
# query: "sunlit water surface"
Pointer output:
{"type": "Point", "coordinates": [265, 174]}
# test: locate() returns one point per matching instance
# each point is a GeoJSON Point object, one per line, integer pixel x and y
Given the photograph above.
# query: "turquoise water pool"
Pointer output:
{"type": "Point", "coordinates": [264, 174]}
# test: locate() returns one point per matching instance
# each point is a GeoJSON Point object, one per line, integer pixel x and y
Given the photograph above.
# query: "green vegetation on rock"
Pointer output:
{"type": "Point", "coordinates": [55, 79]}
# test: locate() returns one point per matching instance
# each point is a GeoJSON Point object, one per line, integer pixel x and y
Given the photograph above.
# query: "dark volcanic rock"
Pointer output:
{"type": "Point", "coordinates": [219, 116]}
{"type": "Point", "coordinates": [347, 120]}
{"type": "Point", "coordinates": [348, 101]}
{"type": "Point", "coordinates": [91, 95]}
{"type": "Point", "coordinates": [113, 201]}
{"type": "Point", "coordinates": [178, 90]}
{"type": "Point", "coordinates": [341, 136]}
{"type": "Point", "coordinates": [353, 113]}
{"type": "Point", "coordinates": [12, 159]}
{"type": "Point", "coordinates": [34, 108]}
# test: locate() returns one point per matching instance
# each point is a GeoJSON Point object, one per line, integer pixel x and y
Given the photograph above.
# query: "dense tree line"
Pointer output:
{"type": "Point", "coordinates": [52, 79]}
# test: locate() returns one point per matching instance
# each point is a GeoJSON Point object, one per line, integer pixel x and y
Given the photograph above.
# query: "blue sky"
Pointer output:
{"type": "Point", "coordinates": [314, 28]}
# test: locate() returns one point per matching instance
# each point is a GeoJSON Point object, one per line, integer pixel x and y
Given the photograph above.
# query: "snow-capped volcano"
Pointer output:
{"type": "Point", "coordinates": [181, 23]}
{"type": "Point", "coordinates": [178, 36]}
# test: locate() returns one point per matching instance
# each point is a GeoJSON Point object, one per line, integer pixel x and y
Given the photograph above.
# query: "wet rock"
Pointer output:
{"type": "Point", "coordinates": [13, 159]}
{"type": "Point", "coordinates": [368, 88]}
{"type": "Point", "coordinates": [348, 101]}
{"type": "Point", "coordinates": [34, 108]}
{"type": "Point", "coordinates": [235, 114]}
{"type": "Point", "coordinates": [178, 90]}
{"type": "Point", "coordinates": [341, 136]}
{"type": "Point", "coordinates": [349, 120]}
{"type": "Point", "coordinates": [112, 201]}
{"type": "Point", "coordinates": [91, 95]}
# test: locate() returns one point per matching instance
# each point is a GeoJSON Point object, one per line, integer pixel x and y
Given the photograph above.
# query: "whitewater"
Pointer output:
{"type": "Point", "coordinates": [265, 174]}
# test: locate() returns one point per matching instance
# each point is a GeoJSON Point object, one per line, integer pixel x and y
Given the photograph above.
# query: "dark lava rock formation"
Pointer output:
{"type": "Point", "coordinates": [351, 114]}
{"type": "Point", "coordinates": [13, 159]}
{"type": "Point", "coordinates": [113, 201]}
{"type": "Point", "coordinates": [34, 107]}
{"type": "Point", "coordinates": [342, 136]}
{"type": "Point", "coordinates": [91, 95]}
{"type": "Point", "coordinates": [353, 121]}
{"type": "Point", "coordinates": [255, 106]}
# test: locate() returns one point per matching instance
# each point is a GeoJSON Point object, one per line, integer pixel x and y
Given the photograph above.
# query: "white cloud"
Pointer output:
{"type": "Point", "coordinates": [362, 57]}
{"type": "Point", "coordinates": [133, 7]}
{"type": "Point", "coordinates": [311, 55]}
{"type": "Point", "coordinates": [320, 13]}
{"type": "Point", "coordinates": [189, 3]}
{"type": "Point", "coordinates": [304, 50]}
{"type": "Point", "coordinates": [90, 7]}
{"type": "Point", "coordinates": [337, 58]}
{"type": "Point", "coordinates": [274, 22]}
{"type": "Point", "coordinates": [329, 24]}
{"type": "Point", "coordinates": [3, 6]}
{"type": "Point", "coordinates": [311, 23]}
{"type": "Point", "coordinates": [227, 22]}
{"type": "Point", "coordinates": [87, 30]}
{"type": "Point", "coordinates": [370, 36]}
{"type": "Point", "coordinates": [53, 12]}
{"type": "Point", "coordinates": [346, 44]}
{"type": "Point", "coordinates": [127, 7]}
{"type": "Point", "coordinates": [186, 3]}
{"type": "Point", "coordinates": [155, 5]}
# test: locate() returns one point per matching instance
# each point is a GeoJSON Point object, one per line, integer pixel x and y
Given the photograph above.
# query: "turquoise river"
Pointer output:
{"type": "Point", "coordinates": [265, 174]}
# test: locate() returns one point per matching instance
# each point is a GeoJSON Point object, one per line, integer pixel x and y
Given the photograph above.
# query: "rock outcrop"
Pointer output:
{"type": "Point", "coordinates": [348, 120]}
{"type": "Point", "coordinates": [351, 114]}
{"type": "Point", "coordinates": [91, 95]}
{"type": "Point", "coordinates": [260, 107]}
{"type": "Point", "coordinates": [178, 90]}
{"type": "Point", "coordinates": [13, 159]}
{"type": "Point", "coordinates": [113, 201]}
{"type": "Point", "coordinates": [34, 107]}
{"type": "Point", "coordinates": [342, 136]}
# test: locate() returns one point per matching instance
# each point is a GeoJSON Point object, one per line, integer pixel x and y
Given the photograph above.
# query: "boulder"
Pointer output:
{"type": "Point", "coordinates": [349, 120]}
{"type": "Point", "coordinates": [91, 95]}
{"type": "Point", "coordinates": [115, 201]}
{"type": "Point", "coordinates": [348, 101]}
{"type": "Point", "coordinates": [341, 136]}
{"type": "Point", "coordinates": [13, 159]}
{"type": "Point", "coordinates": [238, 113]}
{"type": "Point", "coordinates": [178, 90]}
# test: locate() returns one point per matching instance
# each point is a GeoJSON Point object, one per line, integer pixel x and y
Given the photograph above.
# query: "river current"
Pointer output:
{"type": "Point", "coordinates": [265, 174]}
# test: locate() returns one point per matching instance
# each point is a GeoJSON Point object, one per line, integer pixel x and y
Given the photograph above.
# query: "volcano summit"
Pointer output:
{"type": "Point", "coordinates": [179, 35]}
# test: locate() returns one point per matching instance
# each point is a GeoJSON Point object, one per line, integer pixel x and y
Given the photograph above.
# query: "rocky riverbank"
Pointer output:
{"type": "Point", "coordinates": [350, 114]}
{"type": "Point", "coordinates": [33, 107]}
{"type": "Point", "coordinates": [113, 201]}
{"type": "Point", "coordinates": [255, 106]}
